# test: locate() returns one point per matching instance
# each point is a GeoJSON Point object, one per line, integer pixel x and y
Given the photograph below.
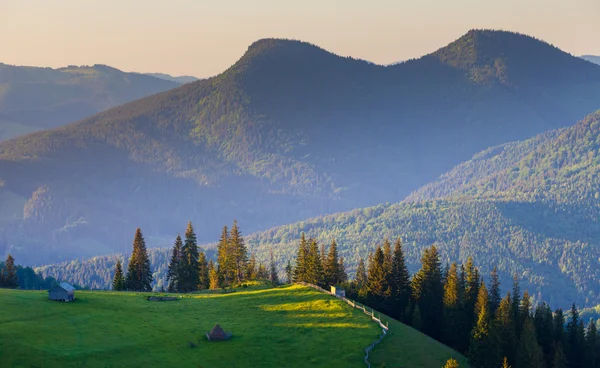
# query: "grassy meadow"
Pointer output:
{"type": "Point", "coordinates": [291, 326]}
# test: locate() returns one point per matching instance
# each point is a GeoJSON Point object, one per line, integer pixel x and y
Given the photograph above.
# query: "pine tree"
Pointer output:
{"type": "Point", "coordinates": [175, 271]}
{"type": "Point", "coordinates": [273, 277]}
{"type": "Point", "coordinates": [214, 276]}
{"type": "Point", "coordinates": [376, 280]}
{"type": "Point", "coordinates": [504, 326]}
{"type": "Point", "coordinates": [524, 309]}
{"type": "Point", "coordinates": [189, 261]}
{"type": "Point", "coordinates": [314, 268]}
{"type": "Point", "coordinates": [471, 291]}
{"type": "Point", "coordinates": [558, 322]}
{"type": "Point", "coordinates": [483, 349]}
{"type": "Point", "coordinates": [544, 328]}
{"type": "Point", "coordinates": [289, 272]}
{"type": "Point", "coordinates": [495, 297]}
{"type": "Point", "coordinates": [251, 268]}
{"type": "Point", "coordinates": [342, 275]}
{"type": "Point", "coordinates": [451, 363]}
{"type": "Point", "coordinates": [225, 258]}
{"type": "Point", "coordinates": [592, 345]}
{"type": "Point", "coordinates": [301, 259]}
{"type": "Point", "coordinates": [575, 344]}
{"type": "Point", "coordinates": [9, 273]}
{"type": "Point", "coordinates": [399, 283]}
{"type": "Point", "coordinates": [428, 292]}
{"type": "Point", "coordinates": [516, 305]}
{"type": "Point", "coordinates": [239, 252]}
{"type": "Point", "coordinates": [203, 275]}
{"type": "Point", "coordinates": [529, 352]}
{"type": "Point", "coordinates": [331, 268]}
{"type": "Point", "coordinates": [388, 260]}
{"type": "Point", "coordinates": [118, 283]}
{"type": "Point", "coordinates": [361, 274]}
{"type": "Point", "coordinates": [453, 318]}
{"type": "Point", "coordinates": [139, 275]}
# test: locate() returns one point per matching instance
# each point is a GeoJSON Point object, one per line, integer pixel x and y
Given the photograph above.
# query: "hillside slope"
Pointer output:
{"type": "Point", "coordinates": [591, 58]}
{"type": "Point", "coordinates": [33, 98]}
{"type": "Point", "coordinates": [288, 132]}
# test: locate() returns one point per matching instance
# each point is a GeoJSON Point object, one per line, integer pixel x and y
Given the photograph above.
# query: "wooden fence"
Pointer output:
{"type": "Point", "coordinates": [353, 304]}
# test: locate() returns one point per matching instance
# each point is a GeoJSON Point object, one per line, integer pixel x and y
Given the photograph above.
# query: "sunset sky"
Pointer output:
{"type": "Point", "coordinates": [202, 38]}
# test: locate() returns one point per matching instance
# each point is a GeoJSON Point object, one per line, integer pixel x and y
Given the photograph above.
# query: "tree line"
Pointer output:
{"type": "Point", "coordinates": [15, 276]}
{"type": "Point", "coordinates": [454, 305]}
{"type": "Point", "coordinates": [189, 267]}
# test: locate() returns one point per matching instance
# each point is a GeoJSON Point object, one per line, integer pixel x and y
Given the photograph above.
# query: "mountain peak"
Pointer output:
{"type": "Point", "coordinates": [496, 56]}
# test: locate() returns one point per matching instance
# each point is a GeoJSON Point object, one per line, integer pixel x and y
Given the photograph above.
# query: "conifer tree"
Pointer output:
{"type": "Point", "coordinates": [560, 359]}
{"type": "Point", "coordinates": [505, 363]}
{"type": "Point", "coordinates": [524, 309]}
{"type": "Point", "coordinates": [416, 320]}
{"type": "Point", "coordinates": [376, 279]}
{"type": "Point", "coordinates": [273, 277]}
{"type": "Point", "coordinates": [483, 349]}
{"type": "Point", "coordinates": [118, 283]}
{"type": "Point", "coordinates": [428, 292]}
{"type": "Point", "coordinates": [495, 297]}
{"type": "Point", "coordinates": [314, 268]}
{"type": "Point", "coordinates": [214, 276]}
{"type": "Point", "coordinates": [139, 275]}
{"type": "Point", "coordinates": [482, 299]}
{"type": "Point", "coordinates": [331, 271]}
{"type": "Point", "coordinates": [225, 258]}
{"type": "Point", "coordinates": [189, 261]}
{"type": "Point", "coordinates": [453, 319]}
{"type": "Point", "coordinates": [451, 363]}
{"type": "Point", "coordinates": [559, 328]}
{"type": "Point", "coordinates": [592, 345]}
{"type": "Point", "coordinates": [175, 271]}
{"type": "Point", "coordinates": [301, 260]}
{"type": "Point", "coordinates": [361, 274]}
{"type": "Point", "coordinates": [289, 272]}
{"type": "Point", "coordinates": [399, 283]}
{"type": "Point", "coordinates": [9, 273]}
{"type": "Point", "coordinates": [203, 276]}
{"type": "Point", "coordinates": [516, 305]}
{"type": "Point", "coordinates": [544, 328]}
{"type": "Point", "coordinates": [262, 273]}
{"type": "Point", "coordinates": [529, 352]}
{"type": "Point", "coordinates": [575, 344]}
{"type": "Point", "coordinates": [251, 268]}
{"type": "Point", "coordinates": [342, 275]}
{"type": "Point", "coordinates": [471, 292]}
{"type": "Point", "coordinates": [239, 252]}
{"type": "Point", "coordinates": [388, 259]}
{"type": "Point", "coordinates": [504, 326]}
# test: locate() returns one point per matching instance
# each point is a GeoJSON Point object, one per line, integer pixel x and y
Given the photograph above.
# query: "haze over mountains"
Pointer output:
{"type": "Point", "coordinates": [33, 98]}
{"type": "Point", "coordinates": [592, 59]}
{"type": "Point", "coordinates": [183, 79]}
{"type": "Point", "coordinates": [287, 133]}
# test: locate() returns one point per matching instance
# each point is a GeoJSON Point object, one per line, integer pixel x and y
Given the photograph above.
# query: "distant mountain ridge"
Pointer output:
{"type": "Point", "coordinates": [591, 58]}
{"type": "Point", "coordinates": [34, 98]}
{"type": "Point", "coordinates": [183, 79]}
{"type": "Point", "coordinates": [288, 132]}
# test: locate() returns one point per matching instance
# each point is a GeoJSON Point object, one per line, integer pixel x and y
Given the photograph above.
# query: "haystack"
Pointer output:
{"type": "Point", "coordinates": [218, 334]}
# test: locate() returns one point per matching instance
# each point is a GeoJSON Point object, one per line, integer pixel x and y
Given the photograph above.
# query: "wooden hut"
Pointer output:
{"type": "Point", "coordinates": [338, 291]}
{"type": "Point", "coordinates": [63, 292]}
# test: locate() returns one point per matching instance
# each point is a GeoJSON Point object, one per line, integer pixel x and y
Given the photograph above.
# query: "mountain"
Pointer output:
{"type": "Point", "coordinates": [181, 79]}
{"type": "Point", "coordinates": [530, 208]}
{"type": "Point", "coordinates": [591, 59]}
{"type": "Point", "coordinates": [33, 98]}
{"type": "Point", "coordinates": [288, 132]}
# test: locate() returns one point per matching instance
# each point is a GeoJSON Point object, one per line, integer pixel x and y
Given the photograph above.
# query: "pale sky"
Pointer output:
{"type": "Point", "coordinates": [203, 38]}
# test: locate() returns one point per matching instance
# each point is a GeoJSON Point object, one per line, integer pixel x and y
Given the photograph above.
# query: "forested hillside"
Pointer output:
{"type": "Point", "coordinates": [592, 58]}
{"type": "Point", "coordinates": [33, 98]}
{"type": "Point", "coordinates": [288, 132]}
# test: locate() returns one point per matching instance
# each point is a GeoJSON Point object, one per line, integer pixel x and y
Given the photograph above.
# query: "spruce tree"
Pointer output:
{"type": "Point", "coordinates": [203, 276]}
{"type": "Point", "coordinates": [453, 318]}
{"type": "Point", "coordinates": [289, 272]}
{"type": "Point", "coordinates": [388, 259]}
{"type": "Point", "coordinates": [544, 328]}
{"type": "Point", "coordinates": [9, 273]}
{"type": "Point", "coordinates": [314, 268]}
{"type": "Point", "coordinates": [516, 305]}
{"type": "Point", "coordinates": [139, 275]}
{"type": "Point", "coordinates": [330, 266]}
{"type": "Point", "coordinates": [189, 261]}
{"type": "Point", "coordinates": [225, 258]}
{"type": "Point", "coordinates": [273, 277]}
{"type": "Point", "coordinates": [376, 280]}
{"type": "Point", "coordinates": [529, 352]}
{"type": "Point", "coordinates": [214, 276]}
{"type": "Point", "coordinates": [251, 268]}
{"type": "Point", "coordinates": [175, 271]}
{"type": "Point", "coordinates": [342, 275]}
{"type": "Point", "coordinates": [301, 259]}
{"type": "Point", "coordinates": [239, 252]}
{"type": "Point", "coordinates": [399, 283]}
{"type": "Point", "coordinates": [592, 345]}
{"type": "Point", "coordinates": [471, 292]}
{"type": "Point", "coordinates": [483, 349]}
{"type": "Point", "coordinates": [118, 283]}
{"type": "Point", "coordinates": [504, 326]}
{"type": "Point", "coordinates": [262, 273]}
{"type": "Point", "coordinates": [495, 297]}
{"type": "Point", "coordinates": [575, 344]}
{"type": "Point", "coordinates": [558, 322]}
{"type": "Point", "coordinates": [559, 359]}
{"type": "Point", "coordinates": [524, 309]}
{"type": "Point", "coordinates": [361, 274]}
{"type": "Point", "coordinates": [428, 292]}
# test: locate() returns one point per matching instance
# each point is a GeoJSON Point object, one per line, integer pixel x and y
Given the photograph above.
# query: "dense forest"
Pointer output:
{"type": "Point", "coordinates": [289, 132]}
{"type": "Point", "coordinates": [33, 98]}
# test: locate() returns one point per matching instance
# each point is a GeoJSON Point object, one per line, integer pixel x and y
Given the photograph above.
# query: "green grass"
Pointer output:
{"type": "Point", "coordinates": [289, 326]}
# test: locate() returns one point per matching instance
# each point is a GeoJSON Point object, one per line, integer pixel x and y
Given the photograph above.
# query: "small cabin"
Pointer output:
{"type": "Point", "coordinates": [338, 291]}
{"type": "Point", "coordinates": [64, 292]}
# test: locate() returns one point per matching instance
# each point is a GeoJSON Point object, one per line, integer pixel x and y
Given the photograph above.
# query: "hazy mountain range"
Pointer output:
{"type": "Point", "coordinates": [181, 79]}
{"type": "Point", "coordinates": [33, 98]}
{"type": "Point", "coordinates": [592, 59]}
{"type": "Point", "coordinates": [287, 133]}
